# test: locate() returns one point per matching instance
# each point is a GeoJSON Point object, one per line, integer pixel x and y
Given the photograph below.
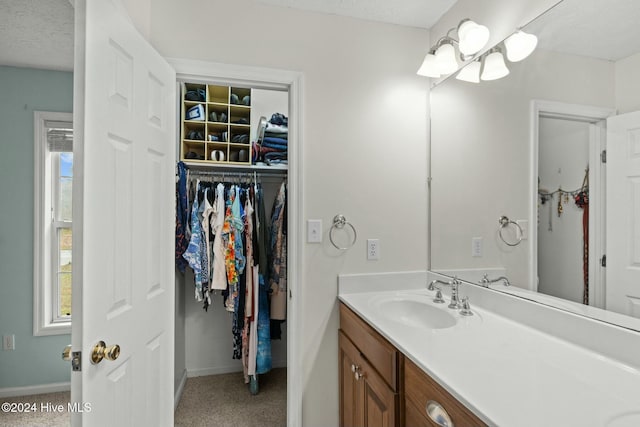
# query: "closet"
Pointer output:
{"type": "Point", "coordinates": [234, 138]}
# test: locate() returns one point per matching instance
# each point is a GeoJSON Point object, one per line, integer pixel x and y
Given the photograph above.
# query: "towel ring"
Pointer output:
{"type": "Point", "coordinates": [339, 221]}
{"type": "Point", "coordinates": [504, 223]}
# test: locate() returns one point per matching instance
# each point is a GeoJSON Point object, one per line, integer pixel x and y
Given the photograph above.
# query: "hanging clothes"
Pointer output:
{"type": "Point", "coordinates": [230, 249]}
{"type": "Point", "coordinates": [219, 275]}
{"type": "Point", "coordinates": [182, 217]}
{"type": "Point", "coordinates": [193, 254]}
{"type": "Point", "coordinates": [278, 245]}
{"type": "Point", "coordinates": [205, 211]}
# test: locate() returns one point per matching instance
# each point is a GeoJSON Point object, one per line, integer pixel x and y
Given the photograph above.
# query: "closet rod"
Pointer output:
{"type": "Point", "coordinates": [248, 174]}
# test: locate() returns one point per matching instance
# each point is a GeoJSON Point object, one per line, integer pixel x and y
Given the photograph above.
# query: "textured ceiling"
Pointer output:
{"type": "Point", "coordinates": [596, 28]}
{"type": "Point", "coordinates": [413, 13]}
{"type": "Point", "coordinates": [36, 34]}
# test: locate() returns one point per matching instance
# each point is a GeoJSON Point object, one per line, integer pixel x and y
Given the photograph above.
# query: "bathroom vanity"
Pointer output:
{"type": "Point", "coordinates": [379, 386]}
{"type": "Point", "coordinates": [512, 363]}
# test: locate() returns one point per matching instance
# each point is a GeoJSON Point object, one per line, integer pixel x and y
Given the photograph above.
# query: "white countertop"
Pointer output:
{"type": "Point", "coordinates": [510, 374]}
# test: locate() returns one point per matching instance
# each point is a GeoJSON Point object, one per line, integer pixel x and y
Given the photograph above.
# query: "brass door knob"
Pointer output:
{"type": "Point", "coordinates": [101, 351]}
{"type": "Point", "coordinates": [66, 353]}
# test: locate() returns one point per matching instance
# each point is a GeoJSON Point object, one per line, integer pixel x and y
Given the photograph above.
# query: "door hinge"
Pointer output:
{"type": "Point", "coordinates": [603, 261]}
{"type": "Point", "coordinates": [603, 156]}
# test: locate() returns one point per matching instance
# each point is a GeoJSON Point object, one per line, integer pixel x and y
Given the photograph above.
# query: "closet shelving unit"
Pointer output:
{"type": "Point", "coordinates": [221, 122]}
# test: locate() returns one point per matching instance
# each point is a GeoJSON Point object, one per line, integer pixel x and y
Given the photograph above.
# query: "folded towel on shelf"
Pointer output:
{"type": "Point", "coordinates": [275, 155]}
{"type": "Point", "coordinates": [273, 159]}
{"type": "Point", "coordinates": [276, 128]}
{"type": "Point", "coordinates": [276, 147]}
{"type": "Point", "coordinates": [274, 140]}
{"type": "Point", "coordinates": [276, 135]}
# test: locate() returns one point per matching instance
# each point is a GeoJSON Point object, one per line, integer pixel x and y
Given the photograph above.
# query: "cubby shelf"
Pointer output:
{"type": "Point", "coordinates": [212, 116]}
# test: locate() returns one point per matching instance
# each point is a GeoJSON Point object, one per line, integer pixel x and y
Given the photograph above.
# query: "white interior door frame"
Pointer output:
{"type": "Point", "coordinates": [583, 113]}
{"type": "Point", "coordinates": [269, 78]}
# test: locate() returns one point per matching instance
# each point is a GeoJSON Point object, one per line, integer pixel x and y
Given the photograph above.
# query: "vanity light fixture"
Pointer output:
{"type": "Point", "coordinates": [429, 67]}
{"type": "Point", "coordinates": [471, 72]}
{"type": "Point", "coordinates": [519, 45]}
{"type": "Point", "coordinates": [446, 62]}
{"type": "Point", "coordinates": [491, 65]}
{"type": "Point", "coordinates": [494, 67]}
{"type": "Point", "coordinates": [442, 58]}
{"type": "Point", "coordinates": [473, 37]}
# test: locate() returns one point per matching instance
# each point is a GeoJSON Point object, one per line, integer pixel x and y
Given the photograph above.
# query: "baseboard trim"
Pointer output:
{"type": "Point", "coordinates": [179, 390]}
{"type": "Point", "coordinates": [34, 389]}
{"type": "Point", "coordinates": [228, 369]}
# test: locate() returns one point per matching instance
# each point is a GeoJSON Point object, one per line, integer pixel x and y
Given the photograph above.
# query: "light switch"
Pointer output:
{"type": "Point", "coordinates": [314, 231]}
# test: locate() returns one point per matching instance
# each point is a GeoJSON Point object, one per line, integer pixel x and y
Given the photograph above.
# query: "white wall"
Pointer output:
{"type": "Point", "coordinates": [265, 103]}
{"type": "Point", "coordinates": [563, 158]}
{"type": "Point", "coordinates": [365, 111]}
{"type": "Point", "coordinates": [628, 84]}
{"type": "Point", "coordinates": [481, 154]}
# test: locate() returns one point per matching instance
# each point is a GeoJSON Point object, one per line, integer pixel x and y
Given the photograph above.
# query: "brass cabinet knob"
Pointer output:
{"type": "Point", "coordinates": [102, 351]}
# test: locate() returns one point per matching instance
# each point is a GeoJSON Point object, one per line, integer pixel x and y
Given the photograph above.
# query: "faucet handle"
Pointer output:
{"type": "Point", "coordinates": [485, 280]}
{"type": "Point", "coordinates": [438, 298]}
{"type": "Point", "coordinates": [466, 308]}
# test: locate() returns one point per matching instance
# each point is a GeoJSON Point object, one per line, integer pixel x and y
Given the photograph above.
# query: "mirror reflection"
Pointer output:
{"type": "Point", "coordinates": [519, 184]}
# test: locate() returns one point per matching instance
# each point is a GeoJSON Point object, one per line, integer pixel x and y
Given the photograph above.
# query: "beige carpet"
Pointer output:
{"type": "Point", "coordinates": [225, 401]}
{"type": "Point", "coordinates": [216, 400]}
{"type": "Point", "coordinates": [40, 417]}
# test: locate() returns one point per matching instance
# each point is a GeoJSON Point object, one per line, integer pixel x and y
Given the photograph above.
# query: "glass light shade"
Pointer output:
{"type": "Point", "coordinates": [494, 67]}
{"type": "Point", "coordinates": [446, 59]}
{"type": "Point", "coordinates": [473, 37]}
{"type": "Point", "coordinates": [429, 68]}
{"type": "Point", "coordinates": [520, 45]}
{"type": "Point", "coordinates": [470, 73]}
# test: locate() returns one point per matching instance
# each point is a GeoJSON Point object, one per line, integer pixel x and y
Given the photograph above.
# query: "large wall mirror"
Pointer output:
{"type": "Point", "coordinates": [528, 147]}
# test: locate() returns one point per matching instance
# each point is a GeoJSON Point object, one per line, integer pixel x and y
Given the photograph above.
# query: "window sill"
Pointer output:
{"type": "Point", "coordinates": [56, 328]}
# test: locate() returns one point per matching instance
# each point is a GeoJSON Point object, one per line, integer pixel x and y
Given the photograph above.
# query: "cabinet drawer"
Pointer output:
{"type": "Point", "coordinates": [420, 388]}
{"type": "Point", "coordinates": [380, 354]}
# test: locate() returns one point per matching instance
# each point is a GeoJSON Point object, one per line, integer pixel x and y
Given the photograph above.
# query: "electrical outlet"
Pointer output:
{"type": "Point", "coordinates": [314, 230]}
{"type": "Point", "coordinates": [476, 246]}
{"type": "Point", "coordinates": [8, 342]}
{"type": "Point", "coordinates": [373, 249]}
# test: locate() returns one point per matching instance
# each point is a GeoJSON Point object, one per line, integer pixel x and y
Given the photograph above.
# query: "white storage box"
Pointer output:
{"type": "Point", "coordinates": [195, 113]}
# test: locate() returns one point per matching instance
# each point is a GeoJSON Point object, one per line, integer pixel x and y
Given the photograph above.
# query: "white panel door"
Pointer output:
{"type": "Point", "coordinates": [124, 286]}
{"type": "Point", "coordinates": [623, 214]}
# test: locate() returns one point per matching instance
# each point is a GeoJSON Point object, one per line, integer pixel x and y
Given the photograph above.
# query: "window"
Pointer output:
{"type": "Point", "coordinates": [53, 177]}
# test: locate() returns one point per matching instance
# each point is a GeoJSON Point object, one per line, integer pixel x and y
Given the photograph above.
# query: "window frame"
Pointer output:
{"type": "Point", "coordinates": [46, 319]}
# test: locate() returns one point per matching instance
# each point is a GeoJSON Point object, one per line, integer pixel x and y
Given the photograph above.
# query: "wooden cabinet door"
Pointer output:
{"type": "Point", "coordinates": [365, 400]}
{"type": "Point", "coordinates": [350, 388]}
{"type": "Point", "coordinates": [379, 402]}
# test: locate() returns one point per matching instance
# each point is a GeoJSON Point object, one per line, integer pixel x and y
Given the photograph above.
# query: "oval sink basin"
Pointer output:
{"type": "Point", "coordinates": [417, 314]}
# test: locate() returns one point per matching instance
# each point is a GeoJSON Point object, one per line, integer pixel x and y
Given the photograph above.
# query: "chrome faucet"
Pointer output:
{"type": "Point", "coordinates": [432, 286]}
{"type": "Point", "coordinates": [455, 300]}
{"type": "Point", "coordinates": [485, 281]}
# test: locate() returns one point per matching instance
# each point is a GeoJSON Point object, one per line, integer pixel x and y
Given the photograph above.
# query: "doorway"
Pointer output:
{"type": "Point", "coordinates": [568, 201]}
{"type": "Point", "coordinates": [282, 82]}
